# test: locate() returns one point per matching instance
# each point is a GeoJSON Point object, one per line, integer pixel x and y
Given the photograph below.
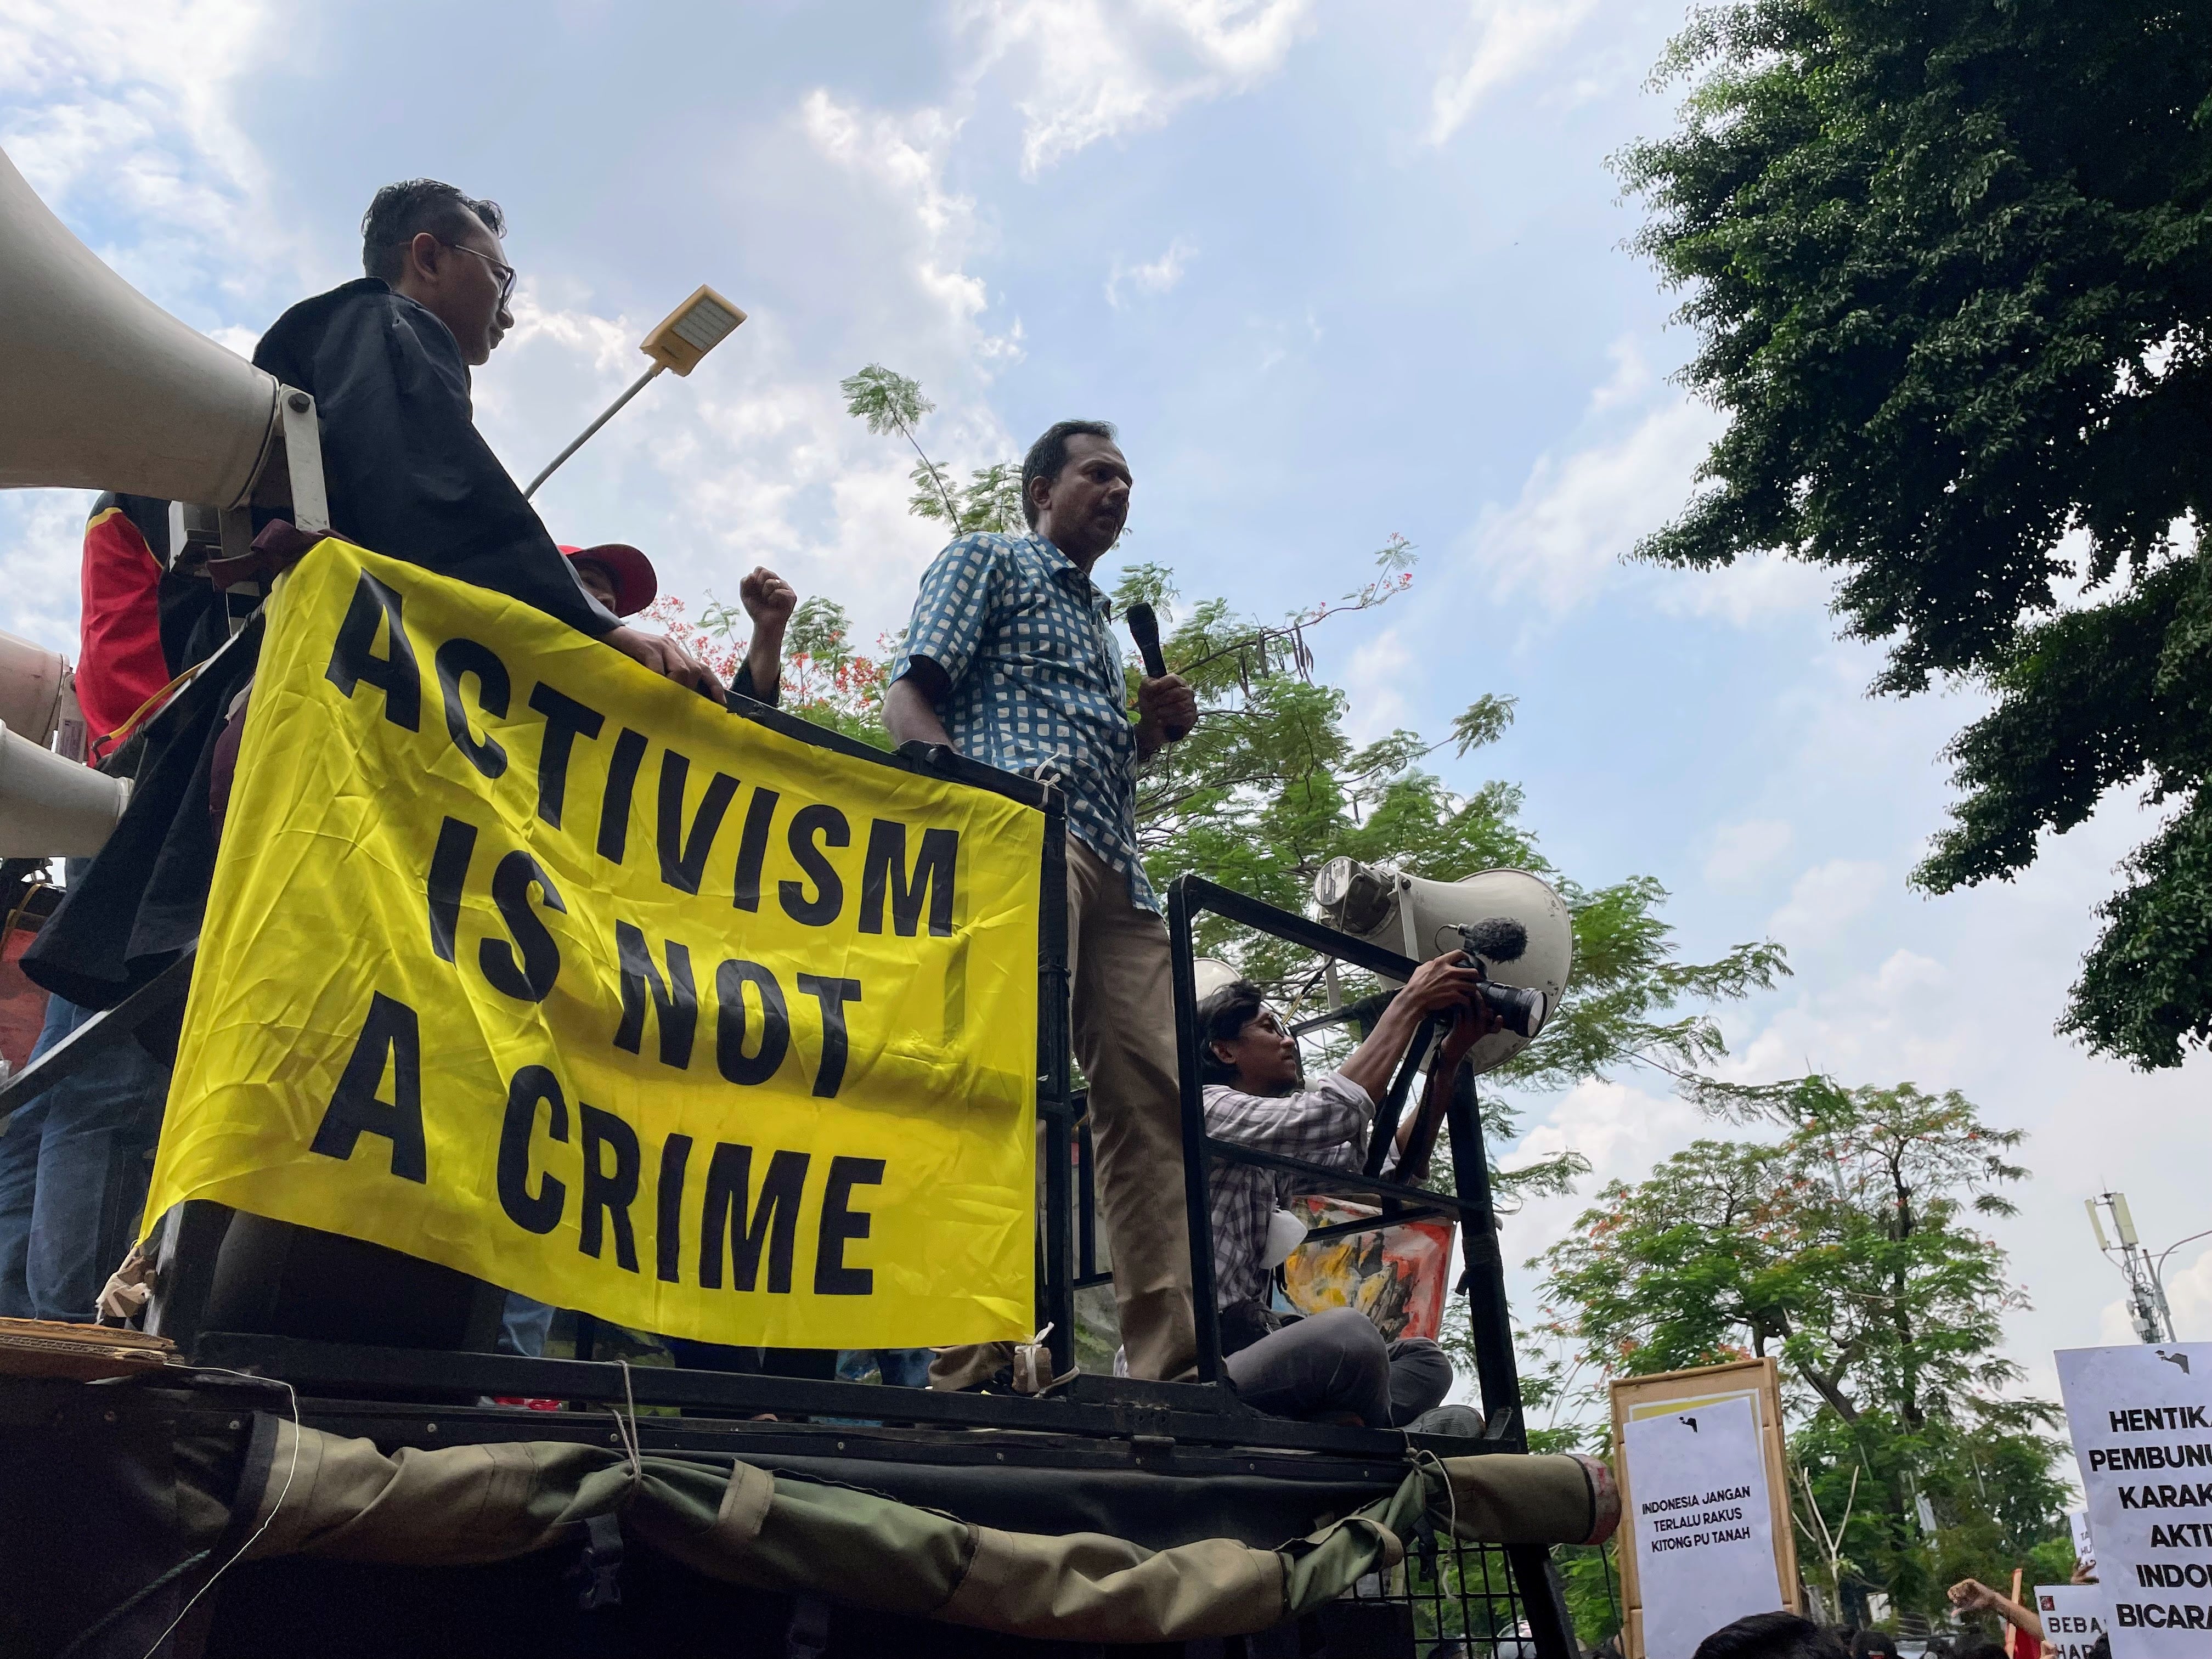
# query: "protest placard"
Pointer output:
{"type": "Point", "coordinates": [2141, 1417]}
{"type": "Point", "coordinates": [522, 959]}
{"type": "Point", "coordinates": [2085, 1547]}
{"type": "Point", "coordinates": [2074, 1616]}
{"type": "Point", "coordinates": [1703, 1537]}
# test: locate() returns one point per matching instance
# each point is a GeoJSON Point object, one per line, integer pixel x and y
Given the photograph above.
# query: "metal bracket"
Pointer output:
{"type": "Point", "coordinates": [303, 460]}
{"type": "Point", "coordinates": [242, 599]}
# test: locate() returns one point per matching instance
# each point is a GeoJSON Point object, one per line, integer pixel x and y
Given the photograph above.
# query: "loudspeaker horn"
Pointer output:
{"type": "Point", "coordinates": [1421, 919]}
{"type": "Point", "coordinates": [101, 389]}
{"type": "Point", "coordinates": [32, 682]}
{"type": "Point", "coordinates": [50, 807]}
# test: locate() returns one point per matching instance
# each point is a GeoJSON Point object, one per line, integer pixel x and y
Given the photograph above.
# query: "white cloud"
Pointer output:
{"type": "Point", "coordinates": [1744, 852]}
{"type": "Point", "coordinates": [124, 116]}
{"type": "Point", "coordinates": [1623, 1132]}
{"type": "Point", "coordinates": [1578, 515]}
{"type": "Point", "coordinates": [754, 460]}
{"type": "Point", "coordinates": [1825, 900]}
{"type": "Point", "coordinates": [1501, 41]}
{"type": "Point", "coordinates": [2188, 1281]}
{"type": "Point", "coordinates": [1155, 277]}
{"type": "Point", "coordinates": [1633, 469]}
{"type": "Point", "coordinates": [121, 118]}
{"type": "Point", "coordinates": [1104, 69]}
{"type": "Point", "coordinates": [1374, 682]}
{"type": "Point", "coordinates": [40, 534]}
{"type": "Point", "coordinates": [903, 157]}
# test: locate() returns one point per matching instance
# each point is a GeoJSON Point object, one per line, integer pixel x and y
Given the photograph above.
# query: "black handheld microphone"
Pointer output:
{"type": "Point", "coordinates": [1145, 628]}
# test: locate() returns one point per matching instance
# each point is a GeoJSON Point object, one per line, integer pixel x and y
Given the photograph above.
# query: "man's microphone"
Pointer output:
{"type": "Point", "coordinates": [1145, 628]}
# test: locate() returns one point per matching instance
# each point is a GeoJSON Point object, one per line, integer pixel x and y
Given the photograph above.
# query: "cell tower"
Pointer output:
{"type": "Point", "coordinates": [2148, 1312]}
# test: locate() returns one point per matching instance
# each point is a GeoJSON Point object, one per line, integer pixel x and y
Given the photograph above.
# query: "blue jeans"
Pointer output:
{"type": "Point", "coordinates": [75, 1162]}
{"type": "Point", "coordinates": [523, 1326]}
{"type": "Point", "coordinates": [900, 1368]}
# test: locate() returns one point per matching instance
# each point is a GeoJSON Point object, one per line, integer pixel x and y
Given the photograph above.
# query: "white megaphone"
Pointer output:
{"type": "Point", "coordinates": [54, 808]}
{"type": "Point", "coordinates": [101, 389]}
{"type": "Point", "coordinates": [1519, 929]}
{"type": "Point", "coordinates": [36, 689]}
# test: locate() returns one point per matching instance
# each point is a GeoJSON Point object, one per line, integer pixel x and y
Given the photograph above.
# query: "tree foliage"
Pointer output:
{"type": "Point", "coordinates": [1846, 1248]}
{"type": "Point", "coordinates": [1950, 266]}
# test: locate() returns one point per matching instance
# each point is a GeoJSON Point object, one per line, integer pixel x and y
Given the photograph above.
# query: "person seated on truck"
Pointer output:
{"type": "Point", "coordinates": [1332, 1366]}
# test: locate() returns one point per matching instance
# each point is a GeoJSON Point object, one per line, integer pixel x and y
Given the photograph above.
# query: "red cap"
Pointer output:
{"type": "Point", "coordinates": [635, 584]}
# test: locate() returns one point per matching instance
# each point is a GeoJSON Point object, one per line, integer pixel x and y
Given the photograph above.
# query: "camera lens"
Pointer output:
{"type": "Point", "coordinates": [1522, 1011]}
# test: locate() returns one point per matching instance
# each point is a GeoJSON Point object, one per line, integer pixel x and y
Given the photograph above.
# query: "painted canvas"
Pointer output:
{"type": "Point", "coordinates": [1397, 1276]}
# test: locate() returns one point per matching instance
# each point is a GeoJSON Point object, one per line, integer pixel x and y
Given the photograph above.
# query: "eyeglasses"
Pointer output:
{"type": "Point", "coordinates": [506, 273]}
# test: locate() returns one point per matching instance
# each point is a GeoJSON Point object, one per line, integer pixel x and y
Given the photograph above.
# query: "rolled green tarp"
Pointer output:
{"type": "Point", "coordinates": [343, 1499]}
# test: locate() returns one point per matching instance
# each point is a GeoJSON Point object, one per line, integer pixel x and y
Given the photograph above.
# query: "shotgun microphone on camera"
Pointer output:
{"type": "Point", "coordinates": [1496, 938]}
{"type": "Point", "coordinates": [1145, 628]}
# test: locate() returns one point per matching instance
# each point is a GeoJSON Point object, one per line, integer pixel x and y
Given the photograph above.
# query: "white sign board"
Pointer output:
{"type": "Point", "coordinates": [2141, 1417]}
{"type": "Point", "coordinates": [2085, 1547]}
{"type": "Point", "coordinates": [2074, 1616]}
{"type": "Point", "coordinates": [1704, 1528]}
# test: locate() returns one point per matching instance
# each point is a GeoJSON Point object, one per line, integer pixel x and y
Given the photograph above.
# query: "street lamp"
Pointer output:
{"type": "Point", "coordinates": [684, 336]}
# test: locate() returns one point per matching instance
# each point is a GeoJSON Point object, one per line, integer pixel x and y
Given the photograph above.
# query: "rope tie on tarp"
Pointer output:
{"type": "Point", "coordinates": [598, 1572]}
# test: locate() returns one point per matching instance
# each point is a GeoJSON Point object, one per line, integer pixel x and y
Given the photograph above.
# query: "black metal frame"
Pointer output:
{"type": "Point", "coordinates": [1489, 1320]}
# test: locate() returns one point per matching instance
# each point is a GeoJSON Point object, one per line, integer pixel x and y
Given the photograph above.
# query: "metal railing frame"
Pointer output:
{"type": "Point", "coordinates": [1490, 1323]}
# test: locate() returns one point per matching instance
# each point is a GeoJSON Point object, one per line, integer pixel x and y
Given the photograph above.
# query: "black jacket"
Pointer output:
{"type": "Point", "coordinates": [409, 475]}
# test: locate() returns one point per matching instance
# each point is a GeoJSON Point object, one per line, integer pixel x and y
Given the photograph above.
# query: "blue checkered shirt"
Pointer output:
{"type": "Point", "coordinates": [1026, 640]}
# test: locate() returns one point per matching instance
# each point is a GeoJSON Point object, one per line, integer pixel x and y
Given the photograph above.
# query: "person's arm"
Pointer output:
{"type": "Point", "coordinates": [769, 601]}
{"type": "Point", "coordinates": [1417, 1135]}
{"type": "Point", "coordinates": [1437, 984]}
{"type": "Point", "coordinates": [1325, 1124]}
{"type": "Point", "coordinates": [941, 639]}
{"type": "Point", "coordinates": [910, 706]}
{"type": "Point", "coordinates": [1972, 1595]}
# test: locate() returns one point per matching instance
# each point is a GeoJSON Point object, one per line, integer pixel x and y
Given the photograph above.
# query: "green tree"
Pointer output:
{"type": "Point", "coordinates": [1847, 1249]}
{"type": "Point", "coordinates": [1950, 266]}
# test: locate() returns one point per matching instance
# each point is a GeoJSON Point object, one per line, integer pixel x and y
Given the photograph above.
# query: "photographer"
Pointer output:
{"type": "Point", "coordinates": [1334, 1365]}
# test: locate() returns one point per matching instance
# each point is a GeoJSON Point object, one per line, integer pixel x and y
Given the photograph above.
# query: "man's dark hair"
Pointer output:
{"type": "Point", "coordinates": [1770, 1635]}
{"type": "Point", "coordinates": [1048, 456]}
{"type": "Point", "coordinates": [1221, 1018]}
{"type": "Point", "coordinates": [1874, 1644]}
{"type": "Point", "coordinates": [1984, 1650]}
{"type": "Point", "coordinates": [401, 212]}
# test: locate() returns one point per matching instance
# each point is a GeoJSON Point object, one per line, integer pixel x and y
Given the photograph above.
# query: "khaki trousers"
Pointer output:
{"type": "Point", "coordinates": [1122, 1011]}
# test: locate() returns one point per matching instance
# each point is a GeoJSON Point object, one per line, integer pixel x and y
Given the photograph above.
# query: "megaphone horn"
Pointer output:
{"type": "Point", "coordinates": [50, 807]}
{"type": "Point", "coordinates": [32, 682]}
{"type": "Point", "coordinates": [101, 389]}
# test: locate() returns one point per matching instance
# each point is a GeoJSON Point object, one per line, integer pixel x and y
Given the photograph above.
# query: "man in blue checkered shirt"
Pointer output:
{"type": "Point", "coordinates": [1012, 659]}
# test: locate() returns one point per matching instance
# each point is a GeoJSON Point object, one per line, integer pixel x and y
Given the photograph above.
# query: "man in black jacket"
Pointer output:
{"type": "Point", "coordinates": [388, 358]}
{"type": "Point", "coordinates": [407, 475]}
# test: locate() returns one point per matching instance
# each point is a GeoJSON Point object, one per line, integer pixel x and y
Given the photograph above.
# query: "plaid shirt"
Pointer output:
{"type": "Point", "coordinates": [1024, 639]}
{"type": "Point", "coordinates": [1326, 1124]}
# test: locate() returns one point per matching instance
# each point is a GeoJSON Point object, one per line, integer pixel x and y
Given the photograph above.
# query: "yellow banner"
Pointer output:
{"type": "Point", "coordinates": [524, 960]}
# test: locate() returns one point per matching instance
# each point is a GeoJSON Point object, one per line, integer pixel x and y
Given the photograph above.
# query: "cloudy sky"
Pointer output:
{"type": "Point", "coordinates": [1338, 271]}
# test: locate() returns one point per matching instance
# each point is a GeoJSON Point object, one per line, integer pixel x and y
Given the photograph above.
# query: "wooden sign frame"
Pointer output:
{"type": "Point", "coordinates": [1633, 1396]}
